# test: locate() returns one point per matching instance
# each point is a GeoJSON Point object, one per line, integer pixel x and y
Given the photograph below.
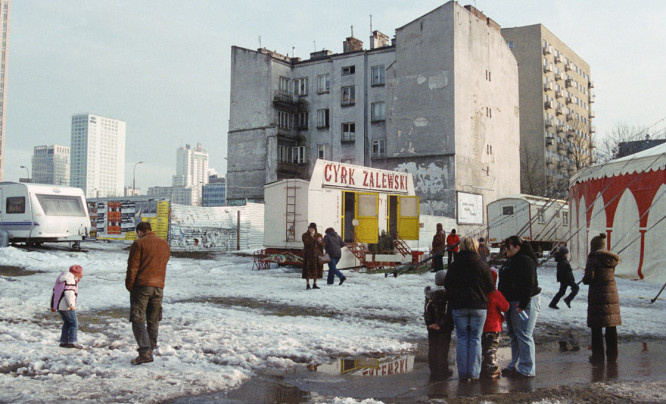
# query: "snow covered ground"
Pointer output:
{"type": "Point", "coordinates": [223, 322]}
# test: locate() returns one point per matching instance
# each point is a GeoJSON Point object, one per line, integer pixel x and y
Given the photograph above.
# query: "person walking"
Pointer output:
{"type": "Point", "coordinates": [333, 244]}
{"type": "Point", "coordinates": [484, 251]}
{"type": "Point", "coordinates": [439, 323]}
{"type": "Point", "coordinates": [438, 248]}
{"type": "Point", "coordinates": [452, 241]}
{"type": "Point", "coordinates": [603, 302]}
{"type": "Point", "coordinates": [492, 329]}
{"type": "Point", "coordinates": [146, 270]}
{"type": "Point", "coordinates": [63, 300]}
{"type": "Point", "coordinates": [468, 281]}
{"type": "Point", "coordinates": [566, 279]}
{"type": "Point", "coordinates": [519, 284]}
{"type": "Point", "coordinates": [313, 247]}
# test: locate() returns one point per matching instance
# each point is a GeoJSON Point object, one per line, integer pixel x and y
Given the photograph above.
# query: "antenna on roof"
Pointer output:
{"type": "Point", "coordinates": [370, 24]}
{"type": "Point", "coordinates": [259, 41]}
{"type": "Point", "coordinates": [352, 31]}
{"type": "Point", "coordinates": [314, 44]}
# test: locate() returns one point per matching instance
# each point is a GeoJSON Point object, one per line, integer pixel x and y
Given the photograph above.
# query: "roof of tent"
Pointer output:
{"type": "Point", "coordinates": [651, 159]}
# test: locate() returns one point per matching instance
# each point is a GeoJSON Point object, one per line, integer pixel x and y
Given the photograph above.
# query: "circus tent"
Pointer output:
{"type": "Point", "coordinates": [624, 198]}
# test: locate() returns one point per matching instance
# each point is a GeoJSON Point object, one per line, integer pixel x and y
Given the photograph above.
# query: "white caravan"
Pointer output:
{"type": "Point", "coordinates": [37, 213]}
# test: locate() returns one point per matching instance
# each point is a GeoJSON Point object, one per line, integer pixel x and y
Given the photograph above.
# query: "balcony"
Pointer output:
{"type": "Point", "coordinates": [548, 104]}
{"type": "Point", "coordinates": [288, 101]}
{"type": "Point", "coordinates": [590, 84]}
{"type": "Point", "coordinates": [593, 98]}
{"type": "Point", "coordinates": [550, 161]}
{"type": "Point", "coordinates": [550, 141]}
{"type": "Point", "coordinates": [571, 135]}
{"type": "Point", "coordinates": [592, 114]}
{"type": "Point", "coordinates": [561, 128]}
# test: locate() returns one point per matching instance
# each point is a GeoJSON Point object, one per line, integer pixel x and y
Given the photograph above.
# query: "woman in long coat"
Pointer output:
{"type": "Point", "coordinates": [603, 302]}
{"type": "Point", "coordinates": [313, 247]}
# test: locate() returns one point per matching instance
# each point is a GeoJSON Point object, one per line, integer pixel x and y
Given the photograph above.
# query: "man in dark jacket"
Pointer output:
{"type": "Point", "coordinates": [333, 244]}
{"type": "Point", "coordinates": [146, 270]}
{"type": "Point", "coordinates": [566, 279]}
{"type": "Point", "coordinates": [438, 248]}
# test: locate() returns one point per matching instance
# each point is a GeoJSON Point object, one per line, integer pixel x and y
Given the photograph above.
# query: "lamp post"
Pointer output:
{"type": "Point", "coordinates": [134, 177]}
{"type": "Point", "coordinates": [26, 169]}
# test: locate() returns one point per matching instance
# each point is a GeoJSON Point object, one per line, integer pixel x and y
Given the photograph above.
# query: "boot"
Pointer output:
{"type": "Point", "coordinates": [142, 358]}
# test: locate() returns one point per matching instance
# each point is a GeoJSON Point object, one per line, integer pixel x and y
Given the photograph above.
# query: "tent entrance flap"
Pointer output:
{"type": "Point", "coordinates": [367, 216]}
{"type": "Point", "coordinates": [408, 217]}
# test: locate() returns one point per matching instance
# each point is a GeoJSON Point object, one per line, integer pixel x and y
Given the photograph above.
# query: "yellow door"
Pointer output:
{"type": "Point", "coordinates": [408, 217]}
{"type": "Point", "coordinates": [367, 212]}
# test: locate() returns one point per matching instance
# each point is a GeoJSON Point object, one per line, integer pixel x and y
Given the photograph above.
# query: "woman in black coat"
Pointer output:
{"type": "Point", "coordinates": [519, 284]}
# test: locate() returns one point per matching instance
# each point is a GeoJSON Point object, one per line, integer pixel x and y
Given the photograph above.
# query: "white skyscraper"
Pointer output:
{"type": "Point", "coordinates": [50, 165]}
{"type": "Point", "coordinates": [4, 48]}
{"type": "Point", "coordinates": [98, 155]}
{"type": "Point", "coordinates": [191, 170]}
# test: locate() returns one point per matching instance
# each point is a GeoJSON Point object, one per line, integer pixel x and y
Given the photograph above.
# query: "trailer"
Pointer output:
{"type": "Point", "coordinates": [38, 213]}
{"type": "Point", "coordinates": [360, 203]}
{"type": "Point", "coordinates": [542, 221]}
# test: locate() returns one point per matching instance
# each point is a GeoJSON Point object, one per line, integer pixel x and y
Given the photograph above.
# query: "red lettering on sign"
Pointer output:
{"type": "Point", "coordinates": [372, 180]}
{"type": "Point", "coordinates": [384, 180]}
{"type": "Point", "coordinates": [390, 181]}
{"type": "Point", "coordinates": [335, 171]}
{"type": "Point", "coordinates": [365, 178]}
{"type": "Point", "coordinates": [327, 175]}
{"type": "Point", "coordinates": [351, 177]}
{"type": "Point", "coordinates": [343, 175]}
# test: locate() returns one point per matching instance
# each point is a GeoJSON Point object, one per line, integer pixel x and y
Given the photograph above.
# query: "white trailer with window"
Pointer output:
{"type": "Point", "coordinates": [37, 213]}
{"type": "Point", "coordinates": [542, 221]}
{"type": "Point", "coordinates": [358, 202]}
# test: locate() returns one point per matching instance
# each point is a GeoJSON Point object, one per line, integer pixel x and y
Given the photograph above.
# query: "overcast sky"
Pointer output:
{"type": "Point", "coordinates": [163, 65]}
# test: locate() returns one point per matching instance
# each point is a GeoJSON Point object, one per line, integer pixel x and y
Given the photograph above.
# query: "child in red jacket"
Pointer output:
{"type": "Point", "coordinates": [490, 339]}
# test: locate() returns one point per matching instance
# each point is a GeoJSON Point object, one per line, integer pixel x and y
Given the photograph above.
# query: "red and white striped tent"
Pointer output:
{"type": "Point", "coordinates": [626, 199]}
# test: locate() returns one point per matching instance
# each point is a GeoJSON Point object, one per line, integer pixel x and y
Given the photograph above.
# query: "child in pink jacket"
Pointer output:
{"type": "Point", "coordinates": [490, 339]}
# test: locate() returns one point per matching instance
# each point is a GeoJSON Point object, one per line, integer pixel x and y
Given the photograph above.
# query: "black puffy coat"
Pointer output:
{"type": "Point", "coordinates": [518, 279]}
{"type": "Point", "coordinates": [468, 282]}
{"type": "Point", "coordinates": [603, 302]}
{"type": "Point", "coordinates": [564, 272]}
{"type": "Point", "coordinates": [333, 244]}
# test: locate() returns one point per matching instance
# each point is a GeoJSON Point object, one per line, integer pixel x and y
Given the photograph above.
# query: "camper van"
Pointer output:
{"type": "Point", "coordinates": [37, 213]}
{"type": "Point", "coordinates": [359, 202]}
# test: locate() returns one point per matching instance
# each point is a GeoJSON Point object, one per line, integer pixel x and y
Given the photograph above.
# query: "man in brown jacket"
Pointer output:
{"type": "Point", "coordinates": [146, 269]}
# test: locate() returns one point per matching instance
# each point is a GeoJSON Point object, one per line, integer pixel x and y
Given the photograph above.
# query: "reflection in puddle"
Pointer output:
{"type": "Point", "coordinates": [367, 366]}
{"type": "Point", "coordinates": [10, 270]}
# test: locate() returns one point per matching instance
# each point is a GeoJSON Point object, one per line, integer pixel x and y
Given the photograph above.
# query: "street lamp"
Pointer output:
{"type": "Point", "coordinates": [134, 177]}
{"type": "Point", "coordinates": [26, 169]}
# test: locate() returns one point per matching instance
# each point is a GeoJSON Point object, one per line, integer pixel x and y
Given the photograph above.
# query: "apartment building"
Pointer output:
{"type": "Point", "coordinates": [439, 101]}
{"type": "Point", "coordinates": [98, 155]}
{"type": "Point", "coordinates": [556, 97]}
{"type": "Point", "coordinates": [191, 170]}
{"type": "Point", "coordinates": [4, 53]}
{"type": "Point", "coordinates": [50, 165]}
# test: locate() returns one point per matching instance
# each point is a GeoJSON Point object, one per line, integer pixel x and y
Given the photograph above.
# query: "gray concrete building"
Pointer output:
{"type": "Point", "coordinates": [439, 101]}
{"type": "Point", "coordinates": [50, 165]}
{"type": "Point", "coordinates": [556, 130]}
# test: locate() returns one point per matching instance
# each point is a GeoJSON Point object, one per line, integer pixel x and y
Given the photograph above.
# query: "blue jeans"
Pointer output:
{"type": "Point", "coordinates": [70, 326]}
{"type": "Point", "coordinates": [469, 328]}
{"type": "Point", "coordinates": [520, 332]}
{"type": "Point", "coordinates": [333, 270]}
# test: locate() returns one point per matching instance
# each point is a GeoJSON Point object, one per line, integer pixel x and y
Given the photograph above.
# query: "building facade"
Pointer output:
{"type": "Point", "coordinates": [179, 195]}
{"type": "Point", "coordinates": [98, 155]}
{"type": "Point", "coordinates": [4, 52]}
{"type": "Point", "coordinates": [215, 192]}
{"type": "Point", "coordinates": [451, 119]}
{"type": "Point", "coordinates": [191, 170]}
{"type": "Point", "coordinates": [50, 165]}
{"type": "Point", "coordinates": [556, 130]}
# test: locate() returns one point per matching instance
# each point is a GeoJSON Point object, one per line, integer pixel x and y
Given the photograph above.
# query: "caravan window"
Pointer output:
{"type": "Point", "coordinates": [507, 210]}
{"type": "Point", "coordinates": [15, 204]}
{"type": "Point", "coordinates": [60, 205]}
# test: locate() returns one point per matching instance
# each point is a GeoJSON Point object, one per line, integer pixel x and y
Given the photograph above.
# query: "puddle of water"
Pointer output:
{"type": "Point", "coordinates": [9, 270]}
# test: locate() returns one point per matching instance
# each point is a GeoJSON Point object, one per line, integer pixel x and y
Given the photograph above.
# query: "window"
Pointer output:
{"type": "Point", "coordinates": [511, 44]}
{"type": "Point", "coordinates": [378, 73]}
{"type": "Point", "coordinates": [348, 95]}
{"type": "Point", "coordinates": [348, 132]}
{"type": "Point", "coordinates": [284, 85]}
{"type": "Point", "coordinates": [541, 216]}
{"type": "Point", "coordinates": [58, 205]}
{"type": "Point", "coordinates": [378, 112]}
{"type": "Point", "coordinates": [15, 204]}
{"type": "Point", "coordinates": [302, 120]}
{"type": "Point", "coordinates": [283, 153]}
{"type": "Point", "coordinates": [322, 118]}
{"type": "Point", "coordinates": [301, 86]}
{"type": "Point", "coordinates": [565, 218]}
{"type": "Point", "coordinates": [298, 155]}
{"type": "Point", "coordinates": [348, 70]}
{"type": "Point", "coordinates": [507, 210]}
{"type": "Point", "coordinates": [323, 83]}
{"type": "Point", "coordinates": [378, 148]}
{"type": "Point", "coordinates": [321, 151]}
{"type": "Point", "coordinates": [284, 120]}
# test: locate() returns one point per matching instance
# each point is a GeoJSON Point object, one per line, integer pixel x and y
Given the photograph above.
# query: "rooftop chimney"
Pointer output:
{"type": "Point", "coordinates": [378, 40]}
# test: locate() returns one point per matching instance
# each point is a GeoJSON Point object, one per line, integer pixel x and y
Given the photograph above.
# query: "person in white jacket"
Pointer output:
{"type": "Point", "coordinates": [63, 300]}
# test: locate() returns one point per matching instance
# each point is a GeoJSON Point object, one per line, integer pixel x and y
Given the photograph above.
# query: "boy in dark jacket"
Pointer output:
{"type": "Point", "coordinates": [439, 321]}
{"type": "Point", "coordinates": [565, 277]}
